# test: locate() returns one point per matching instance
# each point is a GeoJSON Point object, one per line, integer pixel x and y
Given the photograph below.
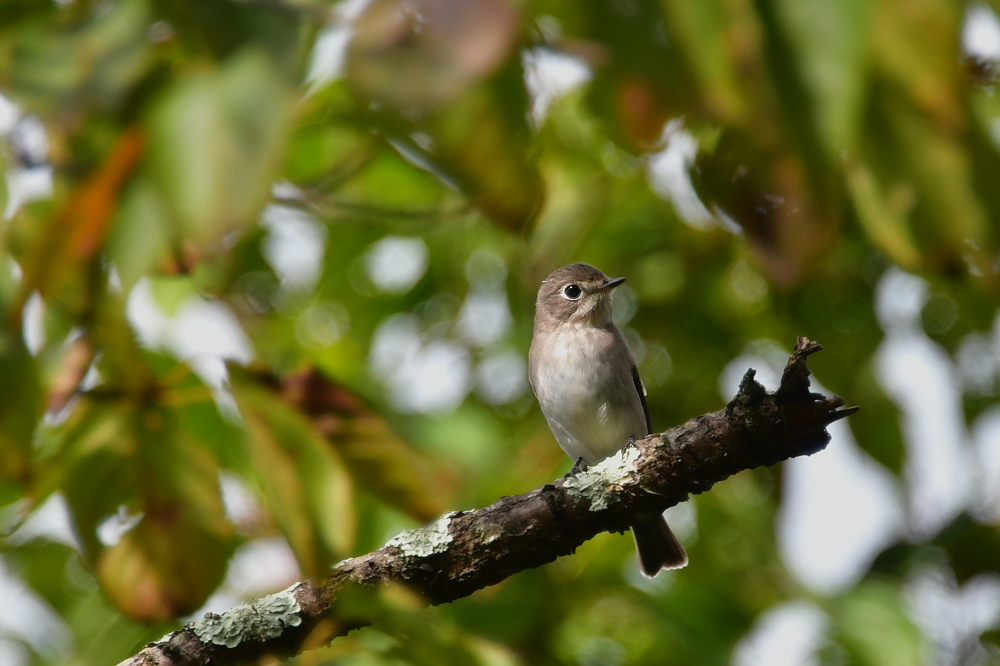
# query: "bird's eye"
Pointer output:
{"type": "Point", "coordinates": [572, 291]}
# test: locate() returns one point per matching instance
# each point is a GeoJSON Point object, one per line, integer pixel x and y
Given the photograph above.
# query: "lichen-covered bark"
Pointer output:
{"type": "Point", "coordinates": [468, 550]}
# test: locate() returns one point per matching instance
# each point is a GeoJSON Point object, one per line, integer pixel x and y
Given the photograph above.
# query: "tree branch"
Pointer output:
{"type": "Point", "coordinates": [466, 551]}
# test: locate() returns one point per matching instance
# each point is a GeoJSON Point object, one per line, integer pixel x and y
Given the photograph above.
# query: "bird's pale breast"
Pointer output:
{"type": "Point", "coordinates": [582, 376]}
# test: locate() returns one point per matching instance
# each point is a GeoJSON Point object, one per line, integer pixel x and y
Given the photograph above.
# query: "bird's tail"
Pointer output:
{"type": "Point", "coordinates": [657, 547]}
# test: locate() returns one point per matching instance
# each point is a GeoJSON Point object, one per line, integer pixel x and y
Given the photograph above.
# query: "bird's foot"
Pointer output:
{"type": "Point", "coordinates": [578, 466]}
{"type": "Point", "coordinates": [628, 445]}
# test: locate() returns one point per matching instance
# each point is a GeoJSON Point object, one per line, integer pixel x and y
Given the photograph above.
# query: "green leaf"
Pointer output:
{"type": "Point", "coordinates": [21, 405]}
{"type": "Point", "coordinates": [507, 187]}
{"type": "Point", "coordinates": [172, 291]}
{"type": "Point", "coordinates": [34, 563]}
{"type": "Point", "coordinates": [390, 183]}
{"type": "Point", "coordinates": [829, 40]}
{"type": "Point", "coordinates": [142, 233]}
{"type": "Point", "coordinates": [871, 622]}
{"type": "Point", "coordinates": [215, 142]}
{"type": "Point", "coordinates": [90, 59]}
{"type": "Point", "coordinates": [317, 151]}
{"type": "Point", "coordinates": [3, 182]}
{"type": "Point", "coordinates": [971, 547]}
{"type": "Point", "coordinates": [877, 426]}
{"type": "Point", "coordinates": [417, 637]}
{"type": "Point", "coordinates": [220, 29]}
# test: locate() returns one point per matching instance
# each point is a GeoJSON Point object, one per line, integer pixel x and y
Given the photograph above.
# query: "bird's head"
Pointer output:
{"type": "Point", "coordinates": [577, 293]}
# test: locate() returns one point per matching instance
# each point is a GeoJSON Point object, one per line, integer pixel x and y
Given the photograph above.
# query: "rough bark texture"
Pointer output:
{"type": "Point", "coordinates": [468, 550]}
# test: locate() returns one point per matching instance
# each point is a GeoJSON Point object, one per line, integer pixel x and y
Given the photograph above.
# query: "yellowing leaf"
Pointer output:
{"type": "Point", "coordinates": [177, 554]}
{"type": "Point", "coordinates": [916, 45]}
{"type": "Point", "coordinates": [136, 464]}
{"type": "Point", "coordinates": [422, 53]}
{"type": "Point", "coordinates": [76, 234]}
{"type": "Point", "coordinates": [707, 33]}
{"type": "Point", "coordinates": [443, 70]}
{"type": "Point", "coordinates": [885, 223]}
{"type": "Point", "coordinates": [300, 476]}
{"type": "Point", "coordinates": [377, 457]}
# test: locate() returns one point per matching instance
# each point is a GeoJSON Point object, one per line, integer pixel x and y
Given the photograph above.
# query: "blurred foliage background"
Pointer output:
{"type": "Point", "coordinates": [267, 283]}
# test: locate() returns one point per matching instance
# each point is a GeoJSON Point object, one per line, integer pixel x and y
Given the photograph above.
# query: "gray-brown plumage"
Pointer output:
{"type": "Point", "coordinates": [588, 387]}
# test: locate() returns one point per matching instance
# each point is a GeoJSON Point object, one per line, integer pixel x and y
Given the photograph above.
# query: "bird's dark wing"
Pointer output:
{"type": "Point", "coordinates": [642, 397]}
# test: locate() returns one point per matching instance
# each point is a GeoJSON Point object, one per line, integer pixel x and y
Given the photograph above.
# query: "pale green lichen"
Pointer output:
{"type": "Point", "coordinates": [601, 484]}
{"type": "Point", "coordinates": [166, 638]}
{"type": "Point", "coordinates": [261, 620]}
{"type": "Point", "coordinates": [427, 540]}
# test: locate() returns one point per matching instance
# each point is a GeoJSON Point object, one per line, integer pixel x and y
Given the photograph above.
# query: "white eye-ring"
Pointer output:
{"type": "Point", "coordinates": [572, 292]}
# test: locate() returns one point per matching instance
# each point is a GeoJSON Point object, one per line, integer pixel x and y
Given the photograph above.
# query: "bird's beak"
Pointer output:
{"type": "Point", "coordinates": [610, 283]}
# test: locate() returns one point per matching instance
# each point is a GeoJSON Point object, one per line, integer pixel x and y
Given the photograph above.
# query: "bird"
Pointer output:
{"type": "Point", "coordinates": [588, 387]}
